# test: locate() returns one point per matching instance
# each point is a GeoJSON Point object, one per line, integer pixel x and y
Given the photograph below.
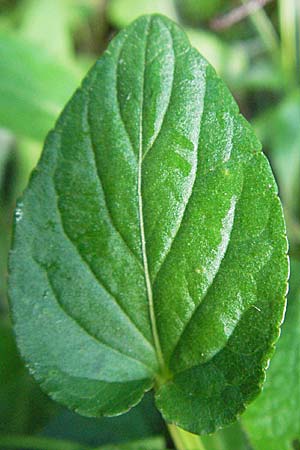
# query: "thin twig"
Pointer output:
{"type": "Point", "coordinates": [238, 14]}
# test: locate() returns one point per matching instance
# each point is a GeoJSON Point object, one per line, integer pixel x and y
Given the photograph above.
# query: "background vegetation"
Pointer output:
{"type": "Point", "coordinates": [46, 47]}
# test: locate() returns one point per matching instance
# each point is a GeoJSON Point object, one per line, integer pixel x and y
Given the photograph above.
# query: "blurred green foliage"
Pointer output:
{"type": "Point", "coordinates": [195, 12]}
{"type": "Point", "coordinates": [45, 49]}
{"type": "Point", "coordinates": [273, 420]}
{"type": "Point", "coordinates": [34, 97]}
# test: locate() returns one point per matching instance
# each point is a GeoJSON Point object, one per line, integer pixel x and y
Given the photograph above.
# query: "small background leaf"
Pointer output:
{"type": "Point", "coordinates": [273, 421]}
{"type": "Point", "coordinates": [34, 87]}
{"type": "Point", "coordinates": [57, 16]}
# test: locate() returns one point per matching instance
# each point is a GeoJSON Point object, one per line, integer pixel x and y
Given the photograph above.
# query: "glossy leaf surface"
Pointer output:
{"type": "Point", "coordinates": [229, 61]}
{"type": "Point", "coordinates": [273, 421]}
{"type": "Point", "coordinates": [150, 246]}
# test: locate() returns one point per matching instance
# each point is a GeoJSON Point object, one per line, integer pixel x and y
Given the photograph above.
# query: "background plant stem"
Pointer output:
{"type": "Point", "coordinates": [265, 29]}
{"type": "Point", "coordinates": [184, 440]}
{"type": "Point", "coordinates": [288, 21]}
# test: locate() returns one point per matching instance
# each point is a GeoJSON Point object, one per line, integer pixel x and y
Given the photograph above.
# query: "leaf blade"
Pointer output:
{"type": "Point", "coordinates": [144, 196]}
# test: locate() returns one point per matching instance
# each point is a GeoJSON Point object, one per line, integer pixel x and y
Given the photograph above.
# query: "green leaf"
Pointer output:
{"type": "Point", "coordinates": [273, 421]}
{"type": "Point", "coordinates": [150, 246]}
{"type": "Point", "coordinates": [231, 62]}
{"type": "Point", "coordinates": [34, 87]}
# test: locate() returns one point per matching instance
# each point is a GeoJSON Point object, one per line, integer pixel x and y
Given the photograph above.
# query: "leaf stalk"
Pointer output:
{"type": "Point", "coordinates": [288, 12]}
{"type": "Point", "coordinates": [183, 440]}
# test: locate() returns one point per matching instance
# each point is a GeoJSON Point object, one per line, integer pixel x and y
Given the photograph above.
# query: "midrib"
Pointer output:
{"type": "Point", "coordinates": [142, 228]}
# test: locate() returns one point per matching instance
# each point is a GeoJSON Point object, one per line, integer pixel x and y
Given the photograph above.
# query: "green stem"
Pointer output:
{"type": "Point", "coordinates": [184, 440]}
{"type": "Point", "coordinates": [266, 30]}
{"type": "Point", "coordinates": [38, 443]}
{"type": "Point", "coordinates": [288, 26]}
